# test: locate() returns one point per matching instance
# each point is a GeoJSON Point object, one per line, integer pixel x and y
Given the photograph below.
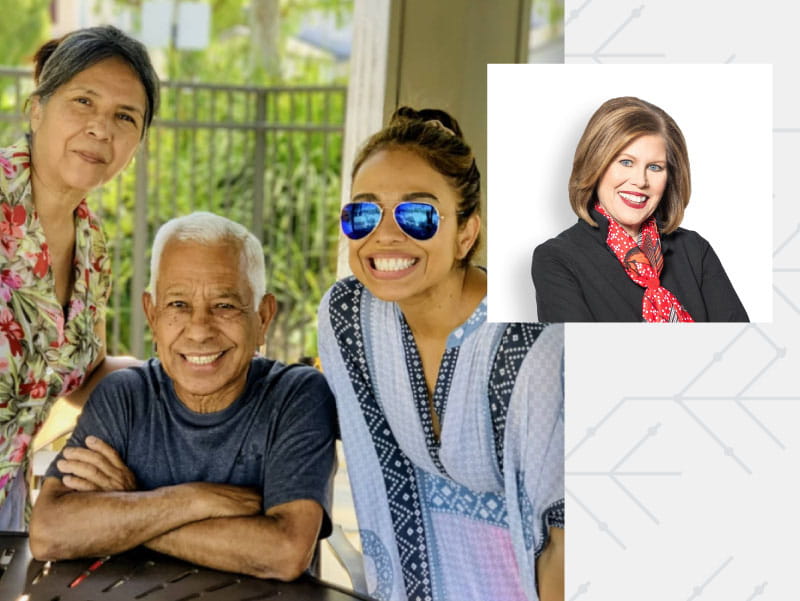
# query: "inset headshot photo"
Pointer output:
{"type": "Point", "coordinates": [625, 193]}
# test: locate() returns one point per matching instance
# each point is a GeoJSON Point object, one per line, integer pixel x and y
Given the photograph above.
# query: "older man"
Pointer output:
{"type": "Point", "coordinates": [207, 453]}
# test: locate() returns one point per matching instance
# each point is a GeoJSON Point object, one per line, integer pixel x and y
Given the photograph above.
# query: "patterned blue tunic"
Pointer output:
{"type": "Point", "coordinates": [461, 517]}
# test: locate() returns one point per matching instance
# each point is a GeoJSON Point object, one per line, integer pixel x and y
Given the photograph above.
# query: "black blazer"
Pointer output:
{"type": "Point", "coordinates": [578, 278]}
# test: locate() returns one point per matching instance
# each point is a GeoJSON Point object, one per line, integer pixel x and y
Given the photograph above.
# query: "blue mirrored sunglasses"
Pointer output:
{"type": "Point", "coordinates": [419, 220]}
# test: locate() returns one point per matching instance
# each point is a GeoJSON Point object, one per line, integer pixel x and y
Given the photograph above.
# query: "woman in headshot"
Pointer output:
{"type": "Point", "coordinates": [96, 93]}
{"type": "Point", "coordinates": [626, 259]}
{"type": "Point", "coordinates": [452, 426]}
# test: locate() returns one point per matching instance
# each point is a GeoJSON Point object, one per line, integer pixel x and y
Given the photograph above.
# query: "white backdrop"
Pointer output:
{"type": "Point", "coordinates": [683, 444]}
{"type": "Point", "coordinates": [536, 115]}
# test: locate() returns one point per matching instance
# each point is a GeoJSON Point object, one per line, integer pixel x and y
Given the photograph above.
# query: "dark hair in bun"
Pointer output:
{"type": "Point", "coordinates": [41, 56]}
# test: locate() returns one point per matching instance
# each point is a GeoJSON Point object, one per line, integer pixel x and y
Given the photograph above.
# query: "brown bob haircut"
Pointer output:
{"type": "Point", "coordinates": [617, 123]}
{"type": "Point", "coordinates": [435, 136]}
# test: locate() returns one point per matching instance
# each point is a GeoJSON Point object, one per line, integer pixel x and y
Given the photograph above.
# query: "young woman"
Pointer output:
{"type": "Point", "coordinates": [452, 426]}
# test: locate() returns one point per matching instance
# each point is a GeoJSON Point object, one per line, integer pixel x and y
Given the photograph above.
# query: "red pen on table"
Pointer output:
{"type": "Point", "coordinates": [82, 576]}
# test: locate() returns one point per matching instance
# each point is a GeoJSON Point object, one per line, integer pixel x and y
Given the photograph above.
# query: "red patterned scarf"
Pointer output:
{"type": "Point", "coordinates": [643, 263]}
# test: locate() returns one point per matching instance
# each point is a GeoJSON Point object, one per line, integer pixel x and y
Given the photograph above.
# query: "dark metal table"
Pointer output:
{"type": "Point", "coordinates": [141, 574]}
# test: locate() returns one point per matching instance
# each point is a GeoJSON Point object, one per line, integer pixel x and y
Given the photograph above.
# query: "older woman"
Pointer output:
{"type": "Point", "coordinates": [452, 426]}
{"type": "Point", "coordinates": [626, 259]}
{"type": "Point", "coordinates": [95, 98]}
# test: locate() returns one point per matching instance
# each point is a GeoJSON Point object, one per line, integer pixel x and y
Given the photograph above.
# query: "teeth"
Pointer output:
{"type": "Point", "coordinates": [202, 359]}
{"type": "Point", "coordinates": [634, 198]}
{"type": "Point", "coordinates": [393, 264]}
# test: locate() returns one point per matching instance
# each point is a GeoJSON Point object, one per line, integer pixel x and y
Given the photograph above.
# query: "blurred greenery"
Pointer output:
{"type": "Point", "coordinates": [214, 169]}
{"type": "Point", "coordinates": [202, 156]}
{"type": "Point", "coordinates": [554, 9]}
{"type": "Point", "coordinates": [242, 32]}
{"type": "Point", "coordinates": [22, 28]}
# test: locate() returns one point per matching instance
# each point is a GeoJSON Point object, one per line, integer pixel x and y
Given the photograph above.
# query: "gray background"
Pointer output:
{"type": "Point", "coordinates": [683, 443]}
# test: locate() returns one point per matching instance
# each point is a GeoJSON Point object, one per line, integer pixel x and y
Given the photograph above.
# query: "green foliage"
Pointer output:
{"type": "Point", "coordinates": [552, 11]}
{"type": "Point", "coordinates": [23, 27]}
{"type": "Point", "coordinates": [202, 155]}
{"type": "Point", "coordinates": [231, 55]}
{"type": "Point", "coordinates": [214, 168]}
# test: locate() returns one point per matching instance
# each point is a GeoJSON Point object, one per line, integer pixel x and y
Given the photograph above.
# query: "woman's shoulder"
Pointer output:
{"type": "Point", "coordinates": [346, 289]}
{"type": "Point", "coordinates": [14, 166]}
{"type": "Point", "coordinates": [685, 239]}
{"type": "Point", "coordinates": [341, 304]}
{"type": "Point", "coordinates": [575, 234]}
{"type": "Point", "coordinates": [571, 241]}
{"type": "Point", "coordinates": [18, 153]}
{"type": "Point", "coordinates": [682, 233]}
{"type": "Point", "coordinates": [524, 335]}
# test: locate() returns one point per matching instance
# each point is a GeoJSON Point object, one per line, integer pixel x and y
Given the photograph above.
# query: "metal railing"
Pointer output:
{"type": "Point", "coordinates": [268, 158]}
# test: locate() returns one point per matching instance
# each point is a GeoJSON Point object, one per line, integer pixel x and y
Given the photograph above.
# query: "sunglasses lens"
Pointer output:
{"type": "Point", "coordinates": [359, 219]}
{"type": "Point", "coordinates": [417, 219]}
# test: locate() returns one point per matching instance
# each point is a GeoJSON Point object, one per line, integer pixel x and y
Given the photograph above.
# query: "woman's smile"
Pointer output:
{"type": "Point", "coordinates": [392, 264]}
{"type": "Point", "coordinates": [633, 184]}
{"type": "Point", "coordinates": [634, 200]}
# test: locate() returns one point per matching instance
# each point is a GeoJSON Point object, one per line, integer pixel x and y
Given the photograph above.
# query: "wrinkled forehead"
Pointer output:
{"type": "Point", "coordinates": [189, 264]}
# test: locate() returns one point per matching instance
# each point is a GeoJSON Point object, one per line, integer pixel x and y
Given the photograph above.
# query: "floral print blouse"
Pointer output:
{"type": "Point", "coordinates": [45, 349]}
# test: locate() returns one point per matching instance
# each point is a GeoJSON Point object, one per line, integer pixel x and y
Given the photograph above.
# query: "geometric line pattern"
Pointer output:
{"type": "Point", "coordinates": [375, 550]}
{"type": "Point", "coordinates": [619, 477]}
{"type": "Point", "coordinates": [781, 252]}
{"type": "Point", "coordinates": [516, 341]}
{"type": "Point", "coordinates": [582, 590]}
{"type": "Point", "coordinates": [446, 496]}
{"type": "Point", "coordinates": [576, 12]}
{"type": "Point", "coordinates": [598, 55]}
{"type": "Point", "coordinates": [697, 401]}
{"type": "Point", "coordinates": [686, 401]}
{"type": "Point", "coordinates": [698, 590]}
{"type": "Point", "coordinates": [419, 388]}
{"type": "Point", "coordinates": [398, 472]}
{"type": "Point", "coordinates": [758, 590]}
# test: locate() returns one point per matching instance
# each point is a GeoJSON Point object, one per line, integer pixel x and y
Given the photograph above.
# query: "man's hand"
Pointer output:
{"type": "Point", "coordinates": [96, 468]}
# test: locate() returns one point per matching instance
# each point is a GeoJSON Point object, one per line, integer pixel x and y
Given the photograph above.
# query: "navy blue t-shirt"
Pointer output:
{"type": "Point", "coordinates": [278, 436]}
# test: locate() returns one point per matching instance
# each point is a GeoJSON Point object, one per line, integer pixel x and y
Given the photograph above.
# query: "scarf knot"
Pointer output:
{"type": "Point", "coordinates": [643, 263]}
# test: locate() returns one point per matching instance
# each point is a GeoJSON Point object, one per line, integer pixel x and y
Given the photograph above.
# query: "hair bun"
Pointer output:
{"type": "Point", "coordinates": [42, 54]}
{"type": "Point", "coordinates": [437, 118]}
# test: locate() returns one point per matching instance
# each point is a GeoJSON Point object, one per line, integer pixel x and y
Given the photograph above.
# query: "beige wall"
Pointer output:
{"type": "Point", "coordinates": [429, 53]}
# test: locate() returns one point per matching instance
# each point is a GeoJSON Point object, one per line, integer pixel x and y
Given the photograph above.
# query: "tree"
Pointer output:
{"type": "Point", "coordinates": [265, 37]}
{"type": "Point", "coordinates": [23, 28]}
{"type": "Point", "coordinates": [249, 40]}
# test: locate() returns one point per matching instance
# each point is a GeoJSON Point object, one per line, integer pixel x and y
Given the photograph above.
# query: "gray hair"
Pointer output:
{"type": "Point", "coordinates": [58, 61]}
{"type": "Point", "coordinates": [207, 228]}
